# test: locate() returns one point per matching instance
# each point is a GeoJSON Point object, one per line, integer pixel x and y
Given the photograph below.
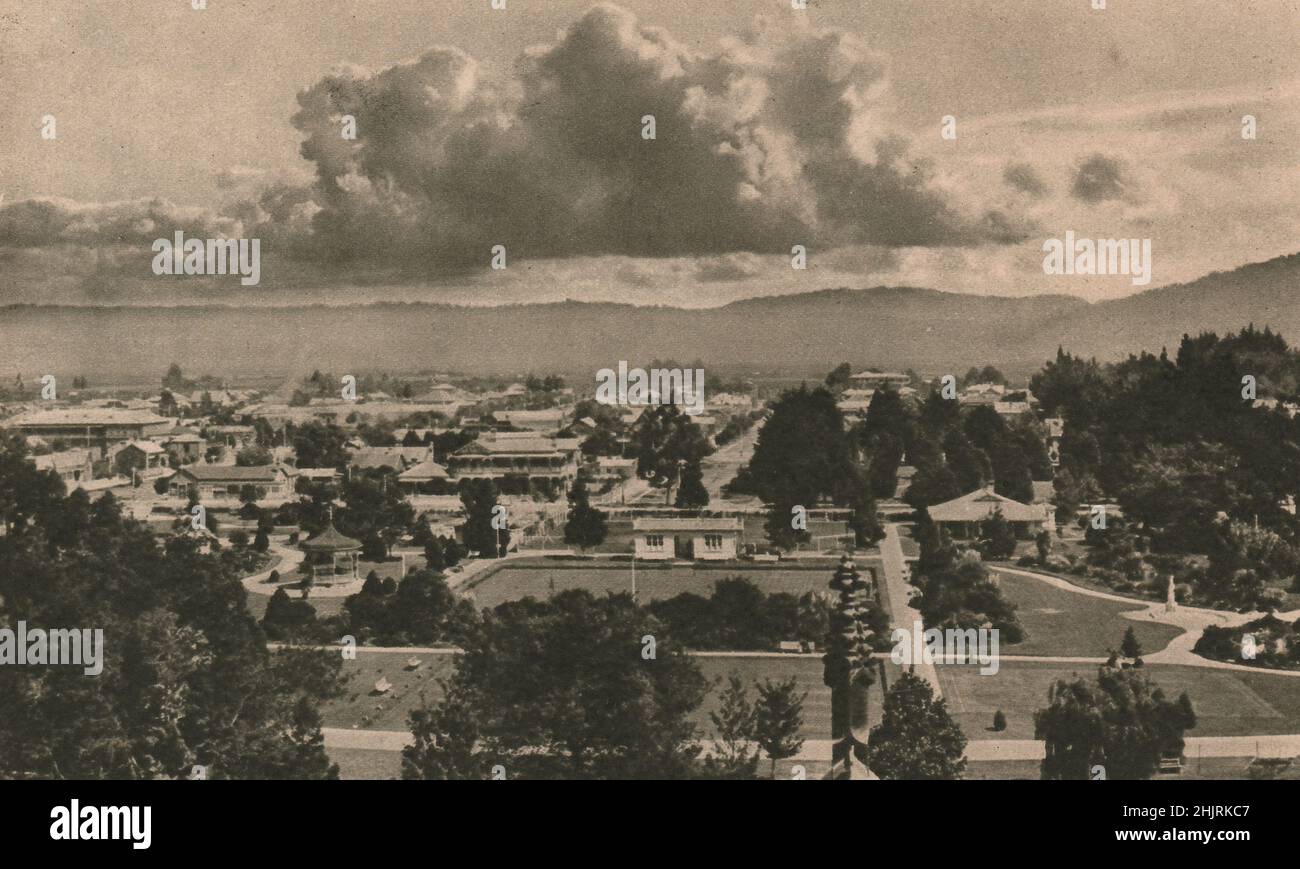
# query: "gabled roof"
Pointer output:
{"type": "Point", "coordinates": [426, 470]}
{"type": "Point", "coordinates": [983, 503]}
{"type": "Point", "coordinates": [397, 458]}
{"type": "Point", "coordinates": [66, 460]}
{"type": "Point", "coordinates": [148, 447]}
{"type": "Point", "coordinates": [232, 473]}
{"type": "Point", "coordinates": [530, 444]}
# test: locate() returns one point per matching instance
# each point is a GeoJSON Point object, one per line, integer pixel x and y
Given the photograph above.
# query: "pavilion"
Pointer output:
{"type": "Point", "coordinates": [331, 542]}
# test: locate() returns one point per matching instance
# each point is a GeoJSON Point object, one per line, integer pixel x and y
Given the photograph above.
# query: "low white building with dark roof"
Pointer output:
{"type": "Point", "coordinates": [700, 538]}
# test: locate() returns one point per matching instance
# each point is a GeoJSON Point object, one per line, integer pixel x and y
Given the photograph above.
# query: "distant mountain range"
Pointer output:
{"type": "Point", "coordinates": [894, 327]}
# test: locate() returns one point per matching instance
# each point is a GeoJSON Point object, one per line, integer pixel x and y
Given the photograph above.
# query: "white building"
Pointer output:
{"type": "Point", "coordinates": [703, 539]}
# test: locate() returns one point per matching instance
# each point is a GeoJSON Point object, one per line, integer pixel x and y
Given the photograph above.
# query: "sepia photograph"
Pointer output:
{"type": "Point", "coordinates": [683, 390]}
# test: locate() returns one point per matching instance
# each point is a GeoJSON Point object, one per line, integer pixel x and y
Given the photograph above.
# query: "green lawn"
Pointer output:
{"type": "Point", "coordinates": [360, 707]}
{"type": "Point", "coordinates": [1059, 622]}
{"type": "Point", "coordinates": [367, 763]}
{"type": "Point", "coordinates": [653, 583]}
{"type": "Point", "coordinates": [1227, 703]}
{"type": "Point", "coordinates": [362, 763]}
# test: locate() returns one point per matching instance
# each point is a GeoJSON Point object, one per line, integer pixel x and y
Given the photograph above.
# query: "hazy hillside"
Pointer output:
{"type": "Point", "coordinates": [921, 328]}
{"type": "Point", "coordinates": [1266, 293]}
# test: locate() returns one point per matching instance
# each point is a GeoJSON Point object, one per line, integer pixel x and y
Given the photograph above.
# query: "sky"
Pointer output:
{"type": "Point", "coordinates": [523, 127]}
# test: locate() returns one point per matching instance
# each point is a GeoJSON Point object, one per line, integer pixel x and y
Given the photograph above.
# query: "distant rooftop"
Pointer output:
{"type": "Point", "coordinates": [690, 523]}
{"type": "Point", "coordinates": [93, 416]}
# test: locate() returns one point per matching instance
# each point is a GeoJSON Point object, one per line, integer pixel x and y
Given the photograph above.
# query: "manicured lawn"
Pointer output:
{"type": "Point", "coordinates": [367, 763]}
{"type": "Point", "coordinates": [360, 707]}
{"type": "Point", "coordinates": [1227, 703]}
{"type": "Point", "coordinates": [1059, 622]}
{"type": "Point", "coordinates": [653, 583]}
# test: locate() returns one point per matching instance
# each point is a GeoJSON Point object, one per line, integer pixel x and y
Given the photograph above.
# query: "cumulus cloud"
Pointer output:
{"type": "Point", "coordinates": [775, 138]}
{"type": "Point", "coordinates": [780, 135]}
{"type": "Point", "coordinates": [53, 221]}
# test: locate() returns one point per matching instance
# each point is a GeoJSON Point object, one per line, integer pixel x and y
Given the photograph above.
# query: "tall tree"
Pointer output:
{"type": "Point", "coordinates": [186, 676]}
{"type": "Point", "coordinates": [778, 718]}
{"type": "Point", "coordinates": [586, 525]}
{"type": "Point", "coordinates": [916, 738]}
{"type": "Point", "coordinates": [1121, 722]}
{"type": "Point", "coordinates": [802, 451]}
{"type": "Point", "coordinates": [733, 756]}
{"type": "Point", "coordinates": [692, 495]}
{"type": "Point", "coordinates": [320, 445]}
{"type": "Point", "coordinates": [479, 498]}
{"type": "Point", "coordinates": [664, 441]}
{"type": "Point", "coordinates": [574, 687]}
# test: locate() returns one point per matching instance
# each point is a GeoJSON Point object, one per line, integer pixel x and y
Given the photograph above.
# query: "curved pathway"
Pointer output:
{"type": "Point", "coordinates": [290, 557]}
{"type": "Point", "coordinates": [1193, 620]}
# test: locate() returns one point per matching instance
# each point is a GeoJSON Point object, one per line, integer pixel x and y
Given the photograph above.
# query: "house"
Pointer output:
{"type": "Point", "coordinates": [426, 474]}
{"type": "Point", "coordinates": [183, 447]}
{"type": "Point", "coordinates": [961, 517]}
{"type": "Point", "coordinates": [319, 475]}
{"type": "Point", "coordinates": [395, 458]}
{"type": "Point", "coordinates": [616, 467]}
{"type": "Point", "coordinates": [584, 427]}
{"type": "Point", "coordinates": [523, 456]}
{"type": "Point", "coordinates": [231, 435]}
{"type": "Point", "coordinates": [92, 427]}
{"type": "Point", "coordinates": [548, 420]}
{"type": "Point", "coordinates": [854, 409]}
{"type": "Point", "coordinates": [148, 458]}
{"type": "Point", "coordinates": [703, 539]}
{"type": "Point", "coordinates": [72, 466]}
{"type": "Point", "coordinates": [224, 482]}
{"type": "Point", "coordinates": [880, 380]}
{"type": "Point", "coordinates": [730, 402]}
{"type": "Point", "coordinates": [96, 489]}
